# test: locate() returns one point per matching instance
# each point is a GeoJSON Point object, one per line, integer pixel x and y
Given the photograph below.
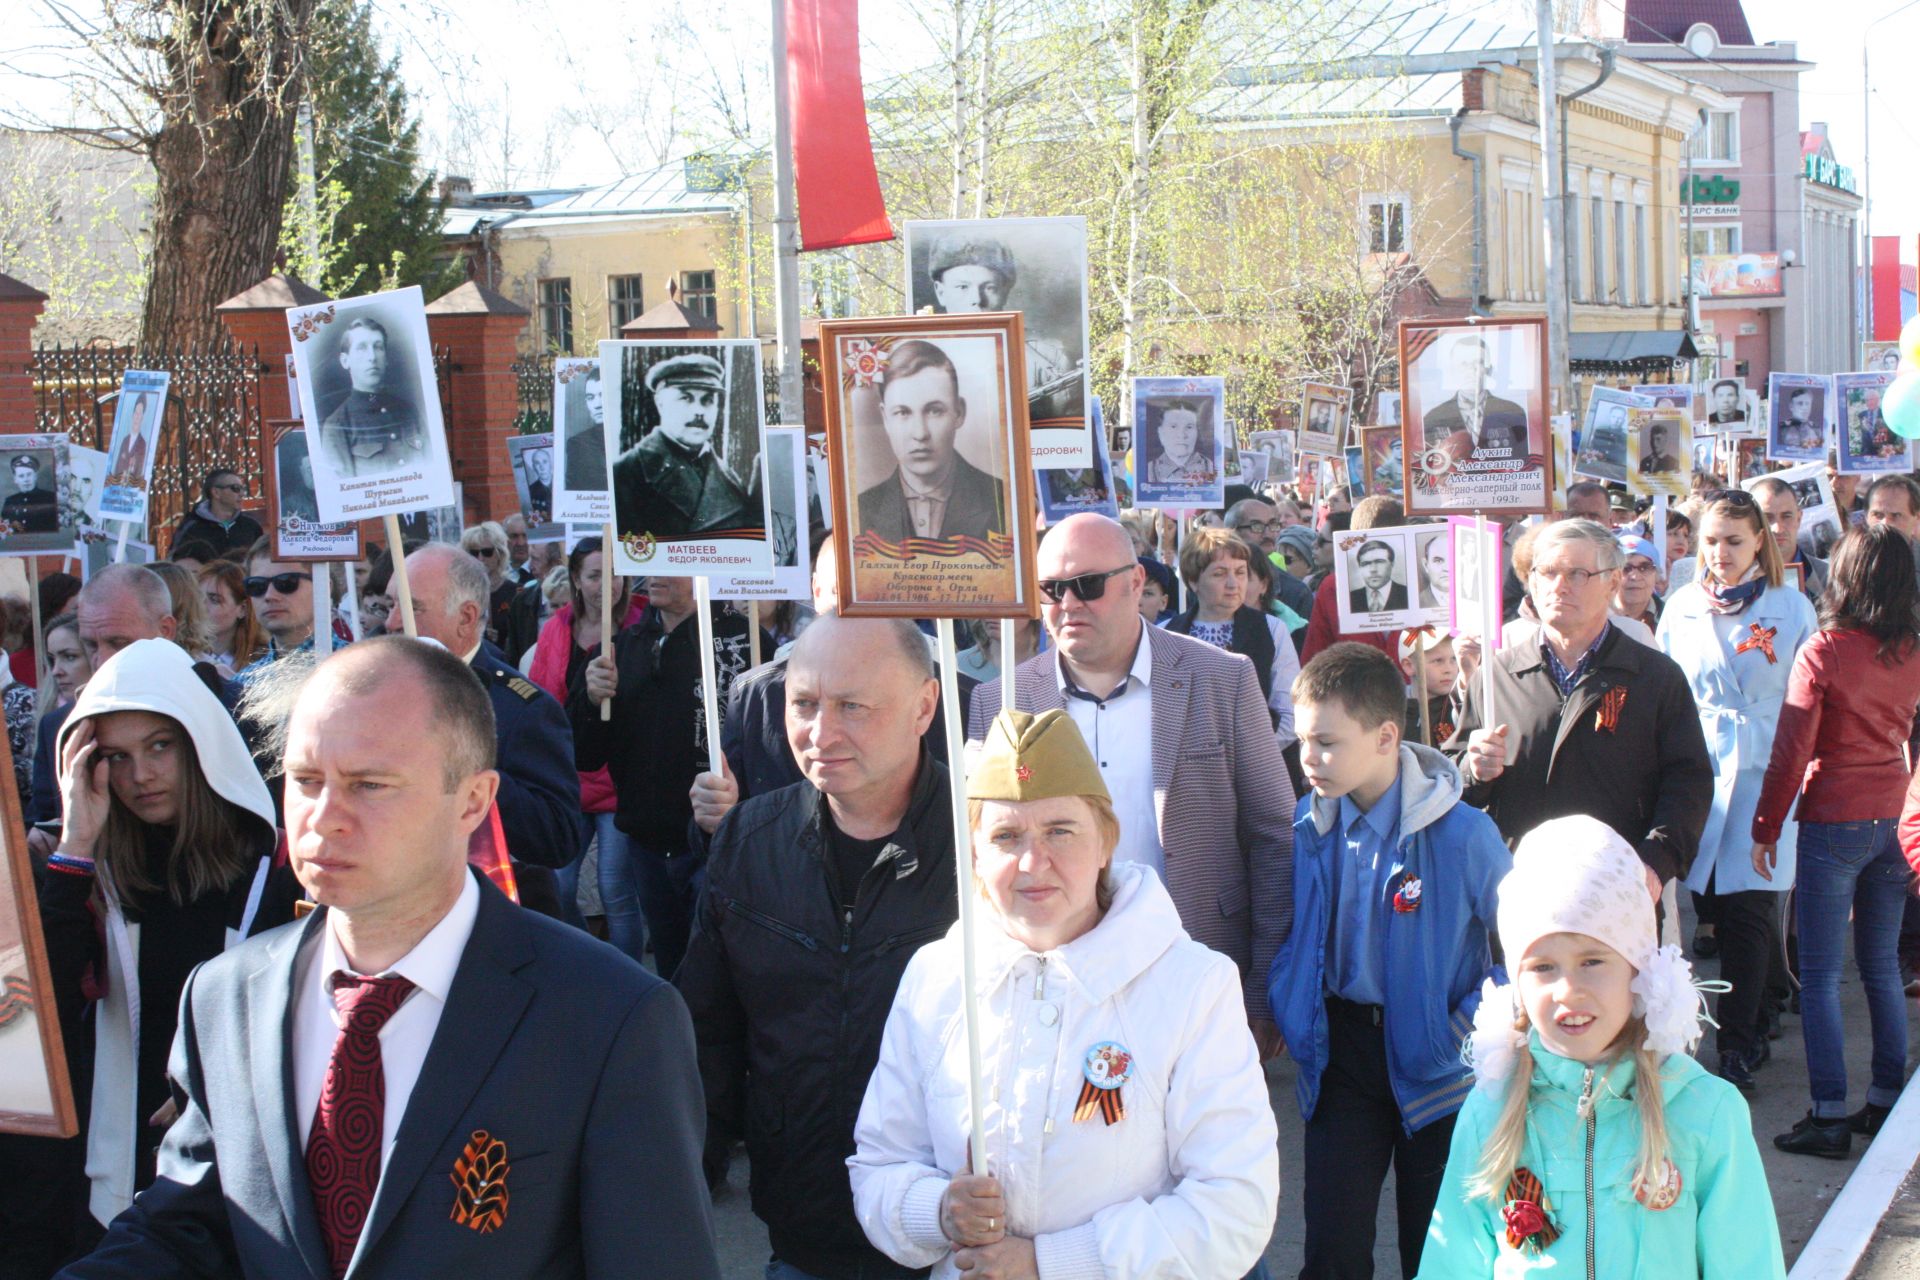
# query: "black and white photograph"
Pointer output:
{"type": "Point", "coordinates": [1811, 490]}
{"type": "Point", "coordinates": [1180, 454]}
{"type": "Point", "coordinates": [30, 512]}
{"type": "Point", "coordinates": [1726, 406]}
{"type": "Point", "coordinates": [293, 515]}
{"type": "Point", "coordinates": [1798, 416]}
{"type": "Point", "coordinates": [1066, 491]}
{"type": "Point", "coordinates": [1377, 579]}
{"type": "Point", "coordinates": [1474, 407]}
{"type": "Point", "coordinates": [1038, 267]}
{"type": "Point", "coordinates": [138, 411]}
{"type": "Point", "coordinates": [1278, 446]}
{"type": "Point", "coordinates": [787, 483]}
{"type": "Point", "coordinates": [436, 524]}
{"type": "Point", "coordinates": [1324, 412]}
{"type": "Point", "coordinates": [1386, 408]}
{"type": "Point", "coordinates": [580, 492]}
{"type": "Point", "coordinates": [36, 1096]}
{"type": "Point", "coordinates": [83, 474]}
{"type": "Point", "coordinates": [97, 555]}
{"type": "Point", "coordinates": [1864, 445]}
{"type": "Point", "coordinates": [1660, 452]}
{"type": "Point", "coordinates": [369, 395]}
{"type": "Point", "coordinates": [1433, 572]}
{"type": "Point", "coordinates": [1476, 579]}
{"type": "Point", "coordinates": [686, 430]}
{"type": "Point", "coordinates": [1602, 454]}
{"type": "Point", "coordinates": [1253, 468]}
{"type": "Point", "coordinates": [531, 458]}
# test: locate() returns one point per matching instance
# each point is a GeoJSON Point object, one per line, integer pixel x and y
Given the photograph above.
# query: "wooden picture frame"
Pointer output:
{"type": "Point", "coordinates": [27, 998]}
{"type": "Point", "coordinates": [1449, 470]}
{"type": "Point", "coordinates": [328, 542]}
{"type": "Point", "coordinates": [980, 564]}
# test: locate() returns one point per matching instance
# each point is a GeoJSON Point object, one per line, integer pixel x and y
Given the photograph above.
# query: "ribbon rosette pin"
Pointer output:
{"type": "Point", "coordinates": [866, 361]}
{"type": "Point", "coordinates": [480, 1183]}
{"type": "Point", "coordinates": [1106, 1068]}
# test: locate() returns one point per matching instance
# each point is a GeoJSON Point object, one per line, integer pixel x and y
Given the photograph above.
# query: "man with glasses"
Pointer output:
{"type": "Point", "coordinates": [1184, 743]}
{"type": "Point", "coordinates": [1584, 720]}
{"type": "Point", "coordinates": [282, 594]}
{"type": "Point", "coordinates": [217, 518]}
{"type": "Point", "coordinates": [1258, 524]}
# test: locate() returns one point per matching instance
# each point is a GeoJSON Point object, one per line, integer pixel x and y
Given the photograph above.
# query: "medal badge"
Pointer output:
{"type": "Point", "coordinates": [1407, 897]}
{"type": "Point", "coordinates": [1664, 1195]}
{"type": "Point", "coordinates": [1106, 1068]}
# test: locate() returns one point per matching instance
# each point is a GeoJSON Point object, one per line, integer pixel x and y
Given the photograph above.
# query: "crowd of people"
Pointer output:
{"type": "Point", "coordinates": [456, 954]}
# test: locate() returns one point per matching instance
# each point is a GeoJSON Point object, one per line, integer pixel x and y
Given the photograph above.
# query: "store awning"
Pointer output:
{"type": "Point", "coordinates": [1630, 350]}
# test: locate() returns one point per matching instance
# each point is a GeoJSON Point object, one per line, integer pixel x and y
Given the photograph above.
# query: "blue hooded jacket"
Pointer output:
{"type": "Point", "coordinates": [1437, 955]}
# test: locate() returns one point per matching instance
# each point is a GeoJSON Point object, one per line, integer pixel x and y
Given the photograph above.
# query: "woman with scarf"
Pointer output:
{"type": "Point", "coordinates": [1734, 630]}
{"type": "Point", "coordinates": [165, 860]}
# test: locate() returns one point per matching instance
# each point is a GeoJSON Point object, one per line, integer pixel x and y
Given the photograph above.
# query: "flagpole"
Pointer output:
{"type": "Point", "coordinates": [786, 229]}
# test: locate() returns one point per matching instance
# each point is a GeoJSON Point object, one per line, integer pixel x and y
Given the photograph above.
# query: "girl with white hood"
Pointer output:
{"type": "Point", "coordinates": [1126, 1116]}
{"type": "Point", "coordinates": [168, 854]}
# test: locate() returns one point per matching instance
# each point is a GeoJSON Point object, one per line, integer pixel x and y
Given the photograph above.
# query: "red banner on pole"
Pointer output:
{"type": "Point", "coordinates": [835, 185]}
{"type": "Point", "coordinates": [1886, 288]}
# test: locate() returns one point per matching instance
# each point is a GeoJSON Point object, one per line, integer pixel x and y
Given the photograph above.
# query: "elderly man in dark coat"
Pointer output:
{"type": "Point", "coordinates": [672, 484]}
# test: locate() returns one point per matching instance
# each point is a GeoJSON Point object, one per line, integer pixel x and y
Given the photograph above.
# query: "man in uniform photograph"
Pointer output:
{"type": "Point", "coordinates": [1726, 404]}
{"type": "Point", "coordinates": [30, 508]}
{"type": "Point", "coordinates": [933, 491]}
{"type": "Point", "coordinates": [539, 465]}
{"type": "Point", "coordinates": [1377, 592]}
{"type": "Point", "coordinates": [374, 430]}
{"type": "Point", "coordinates": [294, 473]}
{"type": "Point", "coordinates": [1473, 417]}
{"type": "Point", "coordinates": [587, 441]}
{"type": "Point", "coordinates": [1797, 428]}
{"type": "Point", "coordinates": [1658, 458]}
{"type": "Point", "coordinates": [970, 273]}
{"type": "Point", "coordinates": [130, 462]}
{"type": "Point", "coordinates": [672, 484]}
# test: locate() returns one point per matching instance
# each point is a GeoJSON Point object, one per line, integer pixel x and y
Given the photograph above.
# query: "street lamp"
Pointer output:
{"type": "Point", "coordinates": [1866, 174]}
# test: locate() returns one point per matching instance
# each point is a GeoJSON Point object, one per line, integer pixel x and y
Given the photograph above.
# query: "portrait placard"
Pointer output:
{"type": "Point", "coordinates": [435, 524]}
{"type": "Point", "coordinates": [1659, 451]}
{"type": "Point", "coordinates": [1353, 469]}
{"type": "Point", "coordinates": [1324, 412]}
{"type": "Point", "coordinates": [792, 576]}
{"type": "Point", "coordinates": [531, 459]}
{"type": "Point", "coordinates": [1278, 446]}
{"type": "Point", "coordinates": [1704, 452]}
{"type": "Point", "coordinates": [1880, 357]}
{"type": "Point", "coordinates": [1864, 444]}
{"type": "Point", "coordinates": [1180, 439]}
{"type": "Point", "coordinates": [293, 516]}
{"type": "Point", "coordinates": [1038, 267]}
{"type": "Point", "coordinates": [1749, 458]}
{"type": "Point", "coordinates": [1383, 461]}
{"type": "Point", "coordinates": [138, 412]}
{"type": "Point", "coordinates": [1375, 579]}
{"type": "Point", "coordinates": [100, 553]}
{"type": "Point", "coordinates": [30, 520]}
{"type": "Point", "coordinates": [1604, 433]}
{"type": "Point", "coordinates": [82, 482]}
{"type": "Point", "coordinates": [581, 495]}
{"type": "Point", "coordinates": [1386, 408]}
{"type": "Point", "coordinates": [1799, 416]}
{"type": "Point", "coordinates": [1066, 491]}
{"type": "Point", "coordinates": [932, 475]}
{"type": "Point", "coordinates": [1811, 490]}
{"type": "Point", "coordinates": [1476, 581]}
{"type": "Point", "coordinates": [685, 443]}
{"type": "Point", "coordinates": [36, 1096]}
{"type": "Point", "coordinates": [1433, 573]}
{"type": "Point", "coordinates": [1726, 404]}
{"type": "Point", "coordinates": [369, 397]}
{"type": "Point", "coordinates": [1475, 429]}
{"type": "Point", "coordinates": [1668, 395]}
{"type": "Point", "coordinates": [1253, 468]}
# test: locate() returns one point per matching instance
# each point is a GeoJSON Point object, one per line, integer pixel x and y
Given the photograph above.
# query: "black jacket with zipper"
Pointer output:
{"type": "Point", "coordinates": [790, 996]}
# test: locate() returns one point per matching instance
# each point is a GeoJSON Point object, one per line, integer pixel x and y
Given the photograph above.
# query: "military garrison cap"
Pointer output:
{"type": "Point", "coordinates": [1029, 757]}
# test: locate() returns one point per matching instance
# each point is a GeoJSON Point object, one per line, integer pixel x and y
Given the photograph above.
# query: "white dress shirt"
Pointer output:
{"type": "Point", "coordinates": [430, 966]}
{"type": "Point", "coordinates": [1119, 730]}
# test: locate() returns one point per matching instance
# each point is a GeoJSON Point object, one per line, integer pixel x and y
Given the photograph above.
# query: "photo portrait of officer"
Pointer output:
{"type": "Point", "coordinates": [129, 466]}
{"type": "Point", "coordinates": [587, 439]}
{"type": "Point", "coordinates": [971, 272]}
{"type": "Point", "coordinates": [293, 473]}
{"type": "Point", "coordinates": [537, 466]}
{"type": "Point", "coordinates": [1726, 409]}
{"type": "Point", "coordinates": [932, 492]}
{"type": "Point", "coordinates": [1182, 455]}
{"type": "Point", "coordinates": [377, 427]}
{"type": "Point", "coordinates": [1656, 450]}
{"type": "Point", "coordinates": [1377, 592]}
{"type": "Point", "coordinates": [1472, 417]}
{"type": "Point", "coordinates": [31, 507]}
{"type": "Point", "coordinates": [1797, 432]}
{"type": "Point", "coordinates": [673, 484]}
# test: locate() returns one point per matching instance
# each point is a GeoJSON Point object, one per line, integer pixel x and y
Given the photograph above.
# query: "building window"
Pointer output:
{"type": "Point", "coordinates": [1597, 247]}
{"type": "Point", "coordinates": [623, 302]}
{"type": "Point", "coordinates": [1717, 141]}
{"type": "Point", "coordinates": [830, 282]}
{"type": "Point", "coordinates": [1642, 253]}
{"type": "Point", "coordinates": [1386, 228]}
{"type": "Point", "coordinates": [1620, 268]}
{"type": "Point", "coordinates": [1715, 240]}
{"type": "Point", "coordinates": [556, 315]}
{"type": "Point", "coordinates": [697, 293]}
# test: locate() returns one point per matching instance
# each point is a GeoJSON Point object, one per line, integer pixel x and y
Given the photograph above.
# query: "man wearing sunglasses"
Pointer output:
{"type": "Point", "coordinates": [1184, 742]}
{"type": "Point", "coordinates": [217, 518]}
{"type": "Point", "coordinates": [282, 593]}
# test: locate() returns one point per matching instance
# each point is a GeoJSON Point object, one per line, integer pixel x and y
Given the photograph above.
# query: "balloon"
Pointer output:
{"type": "Point", "coordinates": [1910, 340]}
{"type": "Point", "coordinates": [1900, 406]}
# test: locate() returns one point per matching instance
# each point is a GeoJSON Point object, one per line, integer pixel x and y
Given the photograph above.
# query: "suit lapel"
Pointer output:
{"type": "Point", "coordinates": [484, 1007]}
{"type": "Point", "coordinates": [1171, 691]}
{"type": "Point", "coordinates": [270, 1054]}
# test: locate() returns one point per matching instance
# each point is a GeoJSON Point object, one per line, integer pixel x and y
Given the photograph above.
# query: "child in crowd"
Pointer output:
{"type": "Point", "coordinates": [1565, 1155]}
{"type": "Point", "coordinates": [1443, 678]}
{"type": "Point", "coordinates": [1156, 596]}
{"type": "Point", "coordinates": [1375, 989]}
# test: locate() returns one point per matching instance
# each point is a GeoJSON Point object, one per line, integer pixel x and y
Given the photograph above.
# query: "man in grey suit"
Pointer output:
{"type": "Point", "coordinates": [420, 1078]}
{"type": "Point", "coordinates": [1185, 744]}
{"type": "Point", "coordinates": [933, 491]}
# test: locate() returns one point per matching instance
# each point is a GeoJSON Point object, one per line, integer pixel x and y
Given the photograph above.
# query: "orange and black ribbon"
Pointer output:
{"type": "Point", "coordinates": [1107, 1102]}
{"type": "Point", "coordinates": [1528, 1216]}
{"type": "Point", "coordinates": [1611, 703]}
{"type": "Point", "coordinates": [1761, 639]}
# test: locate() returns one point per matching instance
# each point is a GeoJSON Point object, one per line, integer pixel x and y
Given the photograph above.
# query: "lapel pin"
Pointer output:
{"type": "Point", "coordinates": [1107, 1067]}
{"type": "Point", "coordinates": [480, 1183]}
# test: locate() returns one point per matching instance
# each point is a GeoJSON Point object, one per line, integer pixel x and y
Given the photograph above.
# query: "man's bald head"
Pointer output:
{"type": "Point", "coordinates": [460, 712]}
{"type": "Point", "coordinates": [1086, 536]}
{"type": "Point", "coordinates": [120, 604]}
{"type": "Point", "coordinates": [876, 640]}
{"type": "Point", "coordinates": [860, 693]}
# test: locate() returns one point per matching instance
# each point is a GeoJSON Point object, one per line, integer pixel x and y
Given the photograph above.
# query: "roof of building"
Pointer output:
{"type": "Point", "coordinates": [669, 316]}
{"type": "Point", "coordinates": [1644, 20]}
{"type": "Point", "coordinates": [12, 290]}
{"type": "Point", "coordinates": [691, 185]}
{"type": "Point", "coordinates": [275, 293]}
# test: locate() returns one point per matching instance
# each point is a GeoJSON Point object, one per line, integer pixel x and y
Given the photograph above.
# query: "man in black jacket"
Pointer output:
{"type": "Point", "coordinates": [817, 896]}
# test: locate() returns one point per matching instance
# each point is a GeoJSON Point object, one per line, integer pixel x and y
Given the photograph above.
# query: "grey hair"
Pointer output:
{"type": "Point", "coordinates": [267, 702]}
{"type": "Point", "coordinates": [467, 580]}
{"type": "Point", "coordinates": [147, 588]}
{"type": "Point", "coordinates": [487, 533]}
{"type": "Point", "coordinates": [1606, 549]}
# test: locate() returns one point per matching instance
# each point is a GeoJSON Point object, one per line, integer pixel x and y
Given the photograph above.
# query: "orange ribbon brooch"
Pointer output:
{"type": "Point", "coordinates": [1528, 1216]}
{"type": "Point", "coordinates": [1761, 639]}
{"type": "Point", "coordinates": [480, 1183]}
{"type": "Point", "coordinates": [1107, 1067]}
{"type": "Point", "coordinates": [1608, 716]}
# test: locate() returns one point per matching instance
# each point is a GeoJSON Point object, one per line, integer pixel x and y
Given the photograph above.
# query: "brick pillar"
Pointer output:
{"type": "Point", "coordinates": [20, 308]}
{"type": "Point", "coordinates": [257, 320]}
{"type": "Point", "coordinates": [480, 330]}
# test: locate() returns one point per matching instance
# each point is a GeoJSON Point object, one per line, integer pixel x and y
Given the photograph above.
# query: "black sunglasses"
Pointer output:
{"type": "Point", "coordinates": [486, 553]}
{"type": "Point", "coordinates": [1733, 498]}
{"type": "Point", "coordinates": [1088, 586]}
{"type": "Point", "coordinates": [285, 583]}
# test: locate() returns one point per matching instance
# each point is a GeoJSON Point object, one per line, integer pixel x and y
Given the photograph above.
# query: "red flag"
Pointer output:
{"type": "Point", "coordinates": [836, 187]}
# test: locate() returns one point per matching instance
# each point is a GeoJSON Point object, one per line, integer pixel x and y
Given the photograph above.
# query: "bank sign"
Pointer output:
{"type": "Point", "coordinates": [1823, 170]}
{"type": "Point", "coordinates": [1710, 195]}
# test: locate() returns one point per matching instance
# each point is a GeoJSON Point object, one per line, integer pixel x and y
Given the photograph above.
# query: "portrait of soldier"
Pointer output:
{"type": "Point", "coordinates": [1726, 409]}
{"type": "Point", "coordinates": [293, 472]}
{"type": "Point", "coordinates": [376, 429]}
{"type": "Point", "coordinates": [32, 506]}
{"type": "Point", "coordinates": [538, 466]}
{"type": "Point", "coordinates": [1472, 417]}
{"type": "Point", "coordinates": [972, 272]}
{"type": "Point", "coordinates": [1076, 486]}
{"type": "Point", "coordinates": [1798, 430]}
{"type": "Point", "coordinates": [587, 441]}
{"type": "Point", "coordinates": [1181, 460]}
{"type": "Point", "coordinates": [1656, 453]}
{"type": "Point", "coordinates": [129, 465]}
{"type": "Point", "coordinates": [673, 484]}
{"type": "Point", "coordinates": [932, 492]}
{"type": "Point", "coordinates": [1377, 592]}
{"type": "Point", "coordinates": [1390, 471]}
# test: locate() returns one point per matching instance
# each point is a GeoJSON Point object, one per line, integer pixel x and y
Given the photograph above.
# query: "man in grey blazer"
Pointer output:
{"type": "Point", "coordinates": [1185, 744]}
{"type": "Point", "coordinates": [420, 1078]}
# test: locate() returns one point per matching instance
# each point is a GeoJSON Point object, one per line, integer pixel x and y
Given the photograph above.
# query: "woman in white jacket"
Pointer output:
{"type": "Point", "coordinates": [1128, 1127]}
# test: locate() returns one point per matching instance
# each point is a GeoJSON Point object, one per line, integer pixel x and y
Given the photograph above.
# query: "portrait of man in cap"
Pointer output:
{"type": "Point", "coordinates": [31, 507]}
{"type": "Point", "coordinates": [673, 484]}
{"type": "Point", "coordinates": [376, 428]}
{"type": "Point", "coordinates": [972, 272]}
{"type": "Point", "coordinates": [932, 492]}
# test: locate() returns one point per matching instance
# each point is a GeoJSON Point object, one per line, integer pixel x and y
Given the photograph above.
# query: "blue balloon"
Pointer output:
{"type": "Point", "coordinates": [1900, 406]}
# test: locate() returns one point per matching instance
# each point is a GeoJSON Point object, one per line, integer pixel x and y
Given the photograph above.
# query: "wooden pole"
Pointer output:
{"type": "Point", "coordinates": [969, 899]}
{"type": "Point", "coordinates": [397, 549]}
{"type": "Point", "coordinates": [607, 628]}
{"type": "Point", "coordinates": [1420, 684]}
{"type": "Point", "coordinates": [709, 674]}
{"type": "Point", "coordinates": [753, 634]}
{"type": "Point", "coordinates": [322, 578]}
{"type": "Point", "coordinates": [39, 639]}
{"type": "Point", "coordinates": [1008, 662]}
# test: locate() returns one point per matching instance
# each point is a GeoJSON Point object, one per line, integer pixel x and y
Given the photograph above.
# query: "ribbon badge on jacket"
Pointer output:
{"type": "Point", "coordinates": [480, 1183]}
{"type": "Point", "coordinates": [1607, 718]}
{"type": "Point", "coordinates": [1761, 639]}
{"type": "Point", "coordinates": [1107, 1067]}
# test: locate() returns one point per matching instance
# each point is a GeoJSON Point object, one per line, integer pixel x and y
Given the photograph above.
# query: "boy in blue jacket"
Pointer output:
{"type": "Point", "coordinates": [1394, 901]}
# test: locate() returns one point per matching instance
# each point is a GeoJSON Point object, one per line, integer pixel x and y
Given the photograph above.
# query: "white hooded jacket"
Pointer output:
{"type": "Point", "coordinates": [1185, 1184]}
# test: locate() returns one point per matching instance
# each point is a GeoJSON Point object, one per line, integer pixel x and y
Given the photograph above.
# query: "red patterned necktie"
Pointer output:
{"type": "Point", "coordinates": [343, 1150]}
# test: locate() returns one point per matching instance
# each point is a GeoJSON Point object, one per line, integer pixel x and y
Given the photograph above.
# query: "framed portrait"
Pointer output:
{"type": "Point", "coordinates": [1180, 450]}
{"type": "Point", "coordinates": [580, 493]}
{"type": "Point", "coordinates": [293, 516]}
{"type": "Point", "coordinates": [36, 1095]}
{"type": "Point", "coordinates": [1811, 490]}
{"type": "Point", "coordinates": [1749, 459]}
{"type": "Point", "coordinates": [1353, 469]}
{"type": "Point", "coordinates": [1880, 357]}
{"type": "Point", "coordinates": [1230, 472]}
{"type": "Point", "coordinates": [1433, 573]}
{"type": "Point", "coordinates": [1799, 415]}
{"type": "Point", "coordinates": [1278, 446]}
{"type": "Point", "coordinates": [1477, 581]}
{"type": "Point", "coordinates": [1668, 395]}
{"type": "Point", "coordinates": [1324, 412]}
{"type": "Point", "coordinates": [1726, 407]}
{"type": "Point", "coordinates": [792, 576]}
{"type": "Point", "coordinates": [1386, 408]}
{"type": "Point", "coordinates": [1067, 491]}
{"type": "Point", "coordinates": [1383, 462]}
{"type": "Point", "coordinates": [435, 524]}
{"type": "Point", "coordinates": [30, 521]}
{"type": "Point", "coordinates": [99, 553]}
{"type": "Point", "coordinates": [1604, 433]}
{"type": "Point", "coordinates": [138, 410]}
{"type": "Point", "coordinates": [369, 397]}
{"type": "Point", "coordinates": [1705, 454]}
{"type": "Point", "coordinates": [1864, 445]}
{"type": "Point", "coordinates": [685, 447]}
{"type": "Point", "coordinates": [1659, 451]}
{"type": "Point", "coordinates": [932, 475]}
{"type": "Point", "coordinates": [822, 484]}
{"type": "Point", "coordinates": [1376, 585]}
{"type": "Point", "coordinates": [1475, 421]}
{"type": "Point", "coordinates": [1253, 468]}
{"type": "Point", "coordinates": [1037, 267]}
{"type": "Point", "coordinates": [531, 460]}
{"type": "Point", "coordinates": [81, 483]}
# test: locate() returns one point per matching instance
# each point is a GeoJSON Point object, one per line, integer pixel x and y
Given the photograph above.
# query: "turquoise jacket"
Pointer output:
{"type": "Point", "coordinates": [1722, 1226]}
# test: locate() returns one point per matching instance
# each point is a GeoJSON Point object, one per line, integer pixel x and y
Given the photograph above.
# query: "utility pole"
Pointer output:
{"type": "Point", "coordinates": [309, 198]}
{"type": "Point", "coordinates": [786, 230]}
{"type": "Point", "coordinates": [1558, 370]}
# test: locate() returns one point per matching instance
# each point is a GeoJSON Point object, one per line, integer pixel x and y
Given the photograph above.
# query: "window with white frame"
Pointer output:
{"type": "Point", "coordinates": [1386, 220]}
{"type": "Point", "coordinates": [1710, 240]}
{"type": "Point", "coordinates": [1717, 140]}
